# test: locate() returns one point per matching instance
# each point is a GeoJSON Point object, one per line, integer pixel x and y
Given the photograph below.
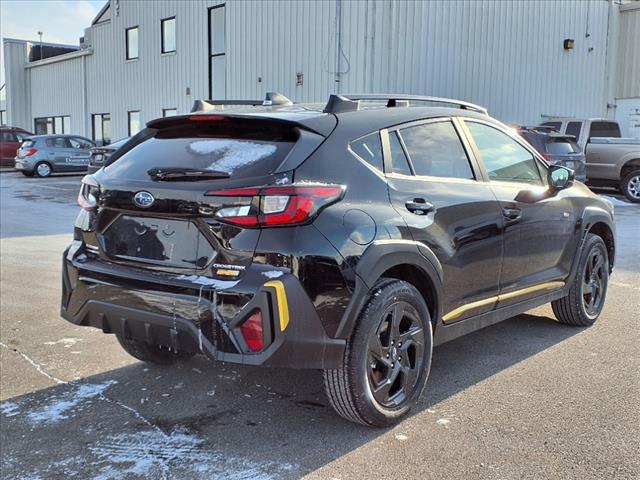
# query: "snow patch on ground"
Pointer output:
{"type": "Point", "coordinates": [9, 409]}
{"type": "Point", "coordinates": [61, 406]}
{"type": "Point", "coordinates": [232, 153]}
{"type": "Point", "coordinates": [443, 421]}
{"type": "Point", "coordinates": [154, 454]}
{"type": "Point", "coordinates": [67, 342]}
{"type": "Point", "coordinates": [616, 201]}
{"type": "Point", "coordinates": [273, 274]}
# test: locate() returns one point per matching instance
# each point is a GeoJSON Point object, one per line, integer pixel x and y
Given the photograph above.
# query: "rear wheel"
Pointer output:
{"type": "Point", "coordinates": [146, 352]}
{"type": "Point", "coordinates": [583, 304]}
{"type": "Point", "coordinates": [387, 360]}
{"type": "Point", "coordinates": [630, 186]}
{"type": "Point", "coordinates": [43, 169]}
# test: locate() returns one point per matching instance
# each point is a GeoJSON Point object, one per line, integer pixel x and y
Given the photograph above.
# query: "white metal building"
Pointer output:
{"type": "Point", "coordinates": [524, 60]}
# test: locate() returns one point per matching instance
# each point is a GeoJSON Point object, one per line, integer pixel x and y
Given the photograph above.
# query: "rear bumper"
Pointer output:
{"type": "Point", "coordinates": [196, 314]}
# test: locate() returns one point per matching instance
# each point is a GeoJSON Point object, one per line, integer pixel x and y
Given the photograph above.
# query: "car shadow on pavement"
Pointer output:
{"type": "Point", "coordinates": [144, 421]}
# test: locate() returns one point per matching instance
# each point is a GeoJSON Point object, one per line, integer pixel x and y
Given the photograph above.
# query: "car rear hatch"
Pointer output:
{"type": "Point", "coordinates": [158, 204]}
{"type": "Point", "coordinates": [27, 148]}
{"type": "Point", "coordinates": [564, 151]}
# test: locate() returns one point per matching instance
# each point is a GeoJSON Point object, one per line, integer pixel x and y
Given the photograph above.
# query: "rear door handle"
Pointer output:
{"type": "Point", "coordinates": [419, 206]}
{"type": "Point", "coordinates": [513, 215]}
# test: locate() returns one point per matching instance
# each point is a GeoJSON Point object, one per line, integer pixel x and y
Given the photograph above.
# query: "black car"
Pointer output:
{"type": "Point", "coordinates": [345, 238]}
{"type": "Point", "coordinates": [100, 155]}
{"type": "Point", "coordinates": [557, 149]}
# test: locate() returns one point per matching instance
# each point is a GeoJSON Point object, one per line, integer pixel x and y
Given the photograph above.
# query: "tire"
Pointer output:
{"type": "Point", "coordinates": [362, 390]}
{"type": "Point", "coordinates": [582, 306]}
{"type": "Point", "coordinates": [146, 352]}
{"type": "Point", "coordinates": [27, 174]}
{"type": "Point", "coordinates": [43, 170]}
{"type": "Point", "coordinates": [630, 186]}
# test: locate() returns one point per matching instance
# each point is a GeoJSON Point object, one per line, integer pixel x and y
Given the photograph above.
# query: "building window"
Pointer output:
{"type": "Point", "coordinates": [52, 125]}
{"type": "Point", "coordinates": [168, 34]}
{"type": "Point", "coordinates": [169, 112]}
{"type": "Point", "coordinates": [3, 117]}
{"type": "Point", "coordinates": [132, 43]}
{"type": "Point", "coordinates": [217, 50]}
{"type": "Point", "coordinates": [133, 122]}
{"type": "Point", "coordinates": [101, 123]}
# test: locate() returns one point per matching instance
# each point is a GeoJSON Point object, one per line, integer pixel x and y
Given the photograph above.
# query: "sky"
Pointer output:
{"type": "Point", "coordinates": [60, 21]}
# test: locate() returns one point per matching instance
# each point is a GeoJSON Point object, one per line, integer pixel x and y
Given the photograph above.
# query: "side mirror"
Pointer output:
{"type": "Point", "coordinates": [560, 177]}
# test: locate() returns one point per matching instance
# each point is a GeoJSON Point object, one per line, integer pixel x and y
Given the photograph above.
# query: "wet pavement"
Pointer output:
{"type": "Point", "coordinates": [527, 398]}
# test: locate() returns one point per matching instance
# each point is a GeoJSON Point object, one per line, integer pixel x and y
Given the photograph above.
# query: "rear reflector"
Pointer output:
{"type": "Point", "coordinates": [275, 206]}
{"type": "Point", "coordinates": [252, 331]}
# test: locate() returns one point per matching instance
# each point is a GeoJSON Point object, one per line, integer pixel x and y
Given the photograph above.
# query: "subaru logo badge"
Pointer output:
{"type": "Point", "coordinates": [143, 199]}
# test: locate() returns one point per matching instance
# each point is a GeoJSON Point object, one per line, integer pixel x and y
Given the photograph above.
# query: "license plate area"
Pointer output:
{"type": "Point", "coordinates": [157, 241]}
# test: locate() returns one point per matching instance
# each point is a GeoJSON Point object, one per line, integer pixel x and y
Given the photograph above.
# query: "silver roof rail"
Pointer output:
{"type": "Point", "coordinates": [402, 100]}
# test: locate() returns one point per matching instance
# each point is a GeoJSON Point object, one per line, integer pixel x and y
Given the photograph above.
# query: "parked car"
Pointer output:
{"type": "Point", "coordinates": [10, 140]}
{"type": "Point", "coordinates": [43, 155]}
{"type": "Point", "coordinates": [100, 155]}
{"type": "Point", "coordinates": [611, 160]}
{"type": "Point", "coordinates": [557, 149]}
{"type": "Point", "coordinates": [343, 238]}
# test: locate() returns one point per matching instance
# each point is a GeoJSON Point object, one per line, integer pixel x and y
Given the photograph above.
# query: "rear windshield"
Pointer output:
{"type": "Point", "coordinates": [27, 144]}
{"type": "Point", "coordinates": [604, 129]}
{"type": "Point", "coordinates": [250, 150]}
{"type": "Point", "coordinates": [562, 146]}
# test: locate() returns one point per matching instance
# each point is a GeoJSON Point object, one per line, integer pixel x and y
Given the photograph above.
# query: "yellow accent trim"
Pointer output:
{"type": "Point", "coordinates": [283, 305]}
{"type": "Point", "coordinates": [453, 314]}
{"type": "Point", "coordinates": [228, 273]}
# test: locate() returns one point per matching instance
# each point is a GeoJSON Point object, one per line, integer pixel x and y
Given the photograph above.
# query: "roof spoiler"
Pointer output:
{"type": "Point", "coordinates": [272, 99]}
{"type": "Point", "coordinates": [351, 102]}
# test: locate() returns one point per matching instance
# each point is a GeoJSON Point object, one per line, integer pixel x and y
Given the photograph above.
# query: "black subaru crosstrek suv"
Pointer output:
{"type": "Point", "coordinates": [351, 238]}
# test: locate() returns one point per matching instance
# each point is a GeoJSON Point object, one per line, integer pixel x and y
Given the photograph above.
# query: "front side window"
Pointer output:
{"type": "Point", "coordinates": [168, 32]}
{"type": "Point", "coordinates": [132, 43]}
{"type": "Point", "coordinates": [503, 157]}
{"type": "Point", "coordinates": [57, 142]}
{"type": "Point", "coordinates": [369, 149]}
{"type": "Point", "coordinates": [133, 122]}
{"type": "Point", "coordinates": [435, 150]}
{"type": "Point", "coordinates": [80, 143]}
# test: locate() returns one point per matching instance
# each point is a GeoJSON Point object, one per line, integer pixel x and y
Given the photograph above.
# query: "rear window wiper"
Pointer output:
{"type": "Point", "coordinates": [179, 173]}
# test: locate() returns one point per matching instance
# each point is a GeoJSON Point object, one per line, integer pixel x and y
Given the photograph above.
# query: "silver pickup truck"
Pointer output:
{"type": "Point", "coordinates": [611, 160]}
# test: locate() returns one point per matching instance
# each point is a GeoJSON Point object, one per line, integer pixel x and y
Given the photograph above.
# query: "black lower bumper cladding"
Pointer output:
{"type": "Point", "coordinates": [198, 314]}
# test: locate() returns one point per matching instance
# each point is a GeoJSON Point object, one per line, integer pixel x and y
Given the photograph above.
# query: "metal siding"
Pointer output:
{"type": "Point", "coordinates": [56, 90]}
{"type": "Point", "coordinates": [628, 61]}
{"type": "Point", "coordinates": [507, 56]}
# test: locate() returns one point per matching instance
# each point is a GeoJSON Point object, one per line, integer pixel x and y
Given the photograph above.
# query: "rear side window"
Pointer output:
{"type": "Point", "coordinates": [503, 157]}
{"type": "Point", "coordinates": [573, 129]}
{"type": "Point", "coordinates": [604, 129]}
{"type": "Point", "coordinates": [562, 146]}
{"type": "Point", "coordinates": [399, 162]}
{"type": "Point", "coordinates": [435, 150]}
{"type": "Point", "coordinates": [369, 149]}
{"type": "Point", "coordinates": [241, 149]}
{"type": "Point", "coordinates": [57, 142]}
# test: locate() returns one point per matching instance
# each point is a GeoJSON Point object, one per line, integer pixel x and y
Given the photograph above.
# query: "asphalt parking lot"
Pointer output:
{"type": "Point", "coordinates": [527, 398]}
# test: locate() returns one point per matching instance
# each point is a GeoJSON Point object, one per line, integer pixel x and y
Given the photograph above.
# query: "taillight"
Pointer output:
{"type": "Point", "coordinates": [275, 206]}
{"type": "Point", "coordinates": [252, 331]}
{"type": "Point", "coordinates": [30, 152]}
{"type": "Point", "coordinates": [548, 158]}
{"type": "Point", "coordinates": [88, 195]}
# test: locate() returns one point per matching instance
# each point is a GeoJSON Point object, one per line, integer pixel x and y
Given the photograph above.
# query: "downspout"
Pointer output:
{"type": "Point", "coordinates": [611, 63]}
{"type": "Point", "coordinates": [85, 115]}
{"type": "Point", "coordinates": [338, 26]}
